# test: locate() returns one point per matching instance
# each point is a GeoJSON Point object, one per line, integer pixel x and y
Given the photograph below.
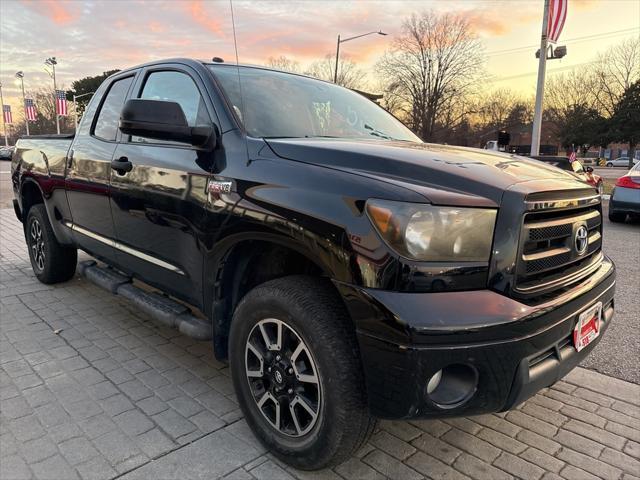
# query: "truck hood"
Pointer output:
{"type": "Point", "coordinates": [442, 174]}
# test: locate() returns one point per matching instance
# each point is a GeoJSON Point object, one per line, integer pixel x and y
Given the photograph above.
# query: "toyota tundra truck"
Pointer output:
{"type": "Point", "coordinates": [346, 270]}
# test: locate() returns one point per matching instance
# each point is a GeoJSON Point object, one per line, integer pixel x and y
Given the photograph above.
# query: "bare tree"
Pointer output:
{"type": "Point", "coordinates": [616, 70]}
{"type": "Point", "coordinates": [349, 75]}
{"type": "Point", "coordinates": [566, 92]}
{"type": "Point", "coordinates": [495, 107]}
{"type": "Point", "coordinates": [435, 62]}
{"type": "Point", "coordinates": [502, 109]}
{"type": "Point", "coordinates": [283, 63]}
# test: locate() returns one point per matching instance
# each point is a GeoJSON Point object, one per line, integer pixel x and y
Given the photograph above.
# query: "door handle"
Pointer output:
{"type": "Point", "coordinates": [122, 165]}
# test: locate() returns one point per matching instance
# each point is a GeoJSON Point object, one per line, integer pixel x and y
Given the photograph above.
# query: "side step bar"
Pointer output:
{"type": "Point", "coordinates": [166, 311]}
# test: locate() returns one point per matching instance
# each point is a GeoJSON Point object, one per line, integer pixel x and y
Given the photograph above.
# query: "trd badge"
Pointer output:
{"type": "Point", "coordinates": [217, 187]}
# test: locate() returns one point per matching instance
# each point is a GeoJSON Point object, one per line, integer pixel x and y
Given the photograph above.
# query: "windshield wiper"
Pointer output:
{"type": "Point", "coordinates": [378, 133]}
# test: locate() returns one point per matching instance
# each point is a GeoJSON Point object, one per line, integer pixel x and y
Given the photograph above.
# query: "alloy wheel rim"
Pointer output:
{"type": "Point", "coordinates": [283, 377]}
{"type": "Point", "coordinates": [37, 244]}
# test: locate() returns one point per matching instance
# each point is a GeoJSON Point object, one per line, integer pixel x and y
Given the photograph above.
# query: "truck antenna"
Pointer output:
{"type": "Point", "coordinates": [235, 45]}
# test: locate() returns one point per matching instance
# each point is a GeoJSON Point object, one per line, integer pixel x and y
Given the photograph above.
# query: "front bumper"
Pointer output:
{"type": "Point", "coordinates": [515, 349]}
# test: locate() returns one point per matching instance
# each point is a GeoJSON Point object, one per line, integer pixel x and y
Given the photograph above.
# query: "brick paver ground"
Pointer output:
{"type": "Point", "coordinates": [91, 388]}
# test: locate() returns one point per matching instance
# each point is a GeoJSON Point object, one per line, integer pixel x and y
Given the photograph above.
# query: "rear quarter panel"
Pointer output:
{"type": "Point", "coordinates": [42, 161]}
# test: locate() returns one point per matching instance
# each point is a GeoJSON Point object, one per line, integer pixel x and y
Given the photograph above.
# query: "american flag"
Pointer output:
{"type": "Point", "coordinates": [61, 102]}
{"type": "Point", "coordinates": [572, 156]}
{"type": "Point", "coordinates": [6, 110]}
{"type": "Point", "coordinates": [30, 109]}
{"type": "Point", "coordinates": [557, 16]}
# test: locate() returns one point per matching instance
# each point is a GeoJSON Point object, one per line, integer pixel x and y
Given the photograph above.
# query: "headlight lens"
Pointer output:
{"type": "Point", "coordinates": [434, 234]}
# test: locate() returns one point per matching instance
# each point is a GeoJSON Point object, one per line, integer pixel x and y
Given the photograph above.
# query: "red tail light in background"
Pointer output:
{"type": "Point", "coordinates": [628, 182]}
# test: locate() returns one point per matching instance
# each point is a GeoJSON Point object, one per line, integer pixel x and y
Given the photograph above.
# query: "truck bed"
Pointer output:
{"type": "Point", "coordinates": [42, 154]}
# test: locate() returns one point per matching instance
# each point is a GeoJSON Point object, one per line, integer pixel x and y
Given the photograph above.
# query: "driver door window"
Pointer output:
{"type": "Point", "coordinates": [175, 87]}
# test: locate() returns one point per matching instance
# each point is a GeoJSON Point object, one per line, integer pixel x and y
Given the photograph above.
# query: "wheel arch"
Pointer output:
{"type": "Point", "coordinates": [30, 194]}
{"type": "Point", "coordinates": [245, 261]}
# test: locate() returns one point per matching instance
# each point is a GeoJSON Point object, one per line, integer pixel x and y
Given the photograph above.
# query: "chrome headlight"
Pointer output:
{"type": "Point", "coordinates": [434, 234]}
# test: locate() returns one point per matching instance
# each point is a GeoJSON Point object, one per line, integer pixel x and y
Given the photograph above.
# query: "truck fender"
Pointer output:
{"type": "Point", "coordinates": [235, 254]}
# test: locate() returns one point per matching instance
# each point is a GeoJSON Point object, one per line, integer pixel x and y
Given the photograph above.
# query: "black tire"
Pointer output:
{"type": "Point", "coordinates": [609, 165]}
{"type": "Point", "coordinates": [313, 310]}
{"type": "Point", "coordinates": [617, 217]}
{"type": "Point", "coordinates": [51, 262]}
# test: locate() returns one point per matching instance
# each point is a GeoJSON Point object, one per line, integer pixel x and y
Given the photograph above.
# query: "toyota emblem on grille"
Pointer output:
{"type": "Point", "coordinates": [581, 239]}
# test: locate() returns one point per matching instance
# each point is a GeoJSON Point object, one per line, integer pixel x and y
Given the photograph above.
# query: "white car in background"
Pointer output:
{"type": "Point", "coordinates": [620, 162]}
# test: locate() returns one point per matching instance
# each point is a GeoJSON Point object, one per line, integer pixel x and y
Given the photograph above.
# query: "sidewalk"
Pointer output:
{"type": "Point", "coordinates": [91, 388]}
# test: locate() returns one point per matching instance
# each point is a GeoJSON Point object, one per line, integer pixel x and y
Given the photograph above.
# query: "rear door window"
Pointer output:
{"type": "Point", "coordinates": [107, 123]}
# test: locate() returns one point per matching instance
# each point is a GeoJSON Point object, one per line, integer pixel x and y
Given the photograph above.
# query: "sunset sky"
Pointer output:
{"type": "Point", "coordinates": [89, 37]}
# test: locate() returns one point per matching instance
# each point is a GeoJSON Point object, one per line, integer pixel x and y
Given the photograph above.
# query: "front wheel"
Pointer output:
{"type": "Point", "coordinates": [297, 373]}
{"type": "Point", "coordinates": [51, 261]}
{"type": "Point", "coordinates": [609, 165]}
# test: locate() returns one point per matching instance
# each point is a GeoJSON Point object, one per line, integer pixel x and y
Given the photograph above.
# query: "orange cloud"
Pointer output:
{"type": "Point", "coordinates": [493, 21]}
{"type": "Point", "coordinates": [156, 27]}
{"type": "Point", "coordinates": [56, 10]}
{"type": "Point", "coordinates": [198, 13]}
{"type": "Point", "coordinates": [487, 23]}
{"type": "Point", "coordinates": [583, 5]}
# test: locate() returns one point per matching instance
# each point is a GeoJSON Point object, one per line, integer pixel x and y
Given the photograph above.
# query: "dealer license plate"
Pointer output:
{"type": "Point", "coordinates": [588, 327]}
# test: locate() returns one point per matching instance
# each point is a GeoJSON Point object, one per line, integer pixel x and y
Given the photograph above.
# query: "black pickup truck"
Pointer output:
{"type": "Point", "coordinates": [348, 271]}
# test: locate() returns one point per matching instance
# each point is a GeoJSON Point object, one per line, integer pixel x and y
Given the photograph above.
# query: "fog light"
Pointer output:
{"type": "Point", "coordinates": [434, 381]}
{"type": "Point", "coordinates": [452, 386]}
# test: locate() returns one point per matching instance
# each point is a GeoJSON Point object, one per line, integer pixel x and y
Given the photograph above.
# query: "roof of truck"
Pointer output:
{"type": "Point", "coordinates": [192, 62]}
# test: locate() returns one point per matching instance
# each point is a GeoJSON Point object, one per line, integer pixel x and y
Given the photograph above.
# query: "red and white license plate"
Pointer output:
{"type": "Point", "coordinates": [588, 327]}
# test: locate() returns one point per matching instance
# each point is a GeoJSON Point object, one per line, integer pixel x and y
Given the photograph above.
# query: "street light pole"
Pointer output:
{"type": "Point", "coordinates": [542, 67]}
{"type": "Point", "coordinates": [75, 109]}
{"type": "Point", "coordinates": [4, 124]}
{"type": "Point", "coordinates": [20, 75]}
{"type": "Point", "coordinates": [335, 75]}
{"type": "Point", "coordinates": [52, 62]}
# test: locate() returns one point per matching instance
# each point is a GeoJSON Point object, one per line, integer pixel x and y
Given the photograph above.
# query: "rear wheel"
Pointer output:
{"type": "Point", "coordinates": [297, 373]}
{"type": "Point", "coordinates": [609, 164]}
{"type": "Point", "coordinates": [51, 261]}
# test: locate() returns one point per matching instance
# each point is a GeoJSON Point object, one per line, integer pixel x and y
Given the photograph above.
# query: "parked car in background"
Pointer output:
{"type": "Point", "coordinates": [6, 152]}
{"type": "Point", "coordinates": [625, 197]}
{"type": "Point", "coordinates": [620, 162]}
{"type": "Point", "coordinates": [585, 174]}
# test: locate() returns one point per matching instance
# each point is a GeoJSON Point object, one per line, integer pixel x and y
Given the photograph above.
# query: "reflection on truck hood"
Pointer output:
{"type": "Point", "coordinates": [444, 174]}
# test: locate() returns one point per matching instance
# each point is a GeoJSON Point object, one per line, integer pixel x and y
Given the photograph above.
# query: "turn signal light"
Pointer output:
{"type": "Point", "coordinates": [628, 182]}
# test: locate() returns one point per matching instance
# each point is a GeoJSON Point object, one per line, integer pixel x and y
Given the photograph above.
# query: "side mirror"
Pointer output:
{"type": "Point", "coordinates": [163, 120]}
{"type": "Point", "coordinates": [589, 169]}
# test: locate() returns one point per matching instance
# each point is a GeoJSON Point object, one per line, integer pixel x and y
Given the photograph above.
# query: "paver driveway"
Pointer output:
{"type": "Point", "coordinates": [91, 388]}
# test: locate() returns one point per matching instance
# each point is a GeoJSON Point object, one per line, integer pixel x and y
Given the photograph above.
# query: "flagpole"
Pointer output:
{"type": "Point", "coordinates": [4, 123]}
{"type": "Point", "coordinates": [55, 94]}
{"type": "Point", "coordinates": [20, 75]}
{"type": "Point", "coordinates": [542, 66]}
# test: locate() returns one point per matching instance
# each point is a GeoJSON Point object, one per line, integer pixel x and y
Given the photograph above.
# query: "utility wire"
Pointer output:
{"type": "Point", "coordinates": [611, 34]}
{"type": "Point", "coordinates": [528, 74]}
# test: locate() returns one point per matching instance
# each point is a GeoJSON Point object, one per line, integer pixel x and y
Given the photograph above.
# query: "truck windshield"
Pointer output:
{"type": "Point", "coordinates": [283, 105]}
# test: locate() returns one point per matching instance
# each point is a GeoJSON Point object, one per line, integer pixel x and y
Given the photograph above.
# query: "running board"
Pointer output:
{"type": "Point", "coordinates": [161, 308]}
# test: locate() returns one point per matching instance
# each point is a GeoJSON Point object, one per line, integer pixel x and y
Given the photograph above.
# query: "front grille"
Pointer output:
{"type": "Point", "coordinates": [548, 257]}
